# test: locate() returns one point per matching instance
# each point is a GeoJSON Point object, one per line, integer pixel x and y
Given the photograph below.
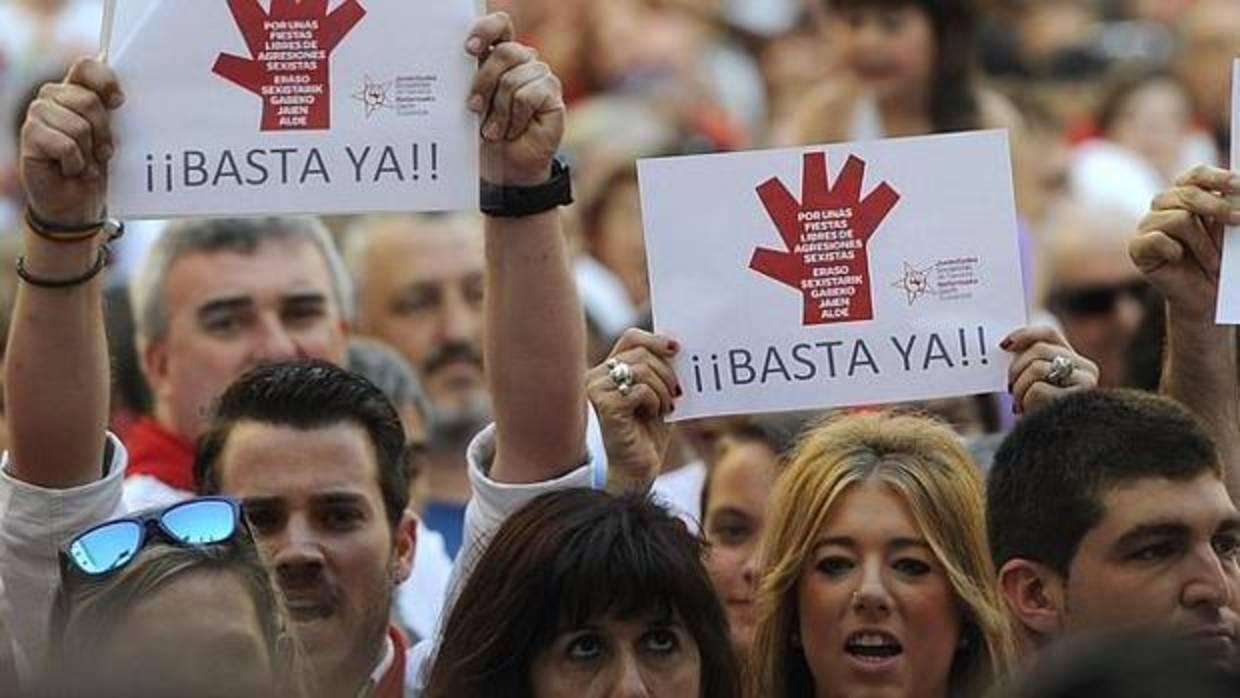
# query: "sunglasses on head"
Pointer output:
{"type": "Point", "coordinates": [110, 546]}
{"type": "Point", "coordinates": [1096, 300]}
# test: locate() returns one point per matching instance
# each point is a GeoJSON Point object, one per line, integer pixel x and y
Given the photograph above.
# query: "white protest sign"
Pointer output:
{"type": "Point", "coordinates": [292, 106]}
{"type": "Point", "coordinates": [835, 275]}
{"type": "Point", "coordinates": [1229, 279]}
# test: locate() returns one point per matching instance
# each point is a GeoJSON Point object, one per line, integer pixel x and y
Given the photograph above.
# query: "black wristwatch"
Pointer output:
{"type": "Point", "coordinates": [518, 202]}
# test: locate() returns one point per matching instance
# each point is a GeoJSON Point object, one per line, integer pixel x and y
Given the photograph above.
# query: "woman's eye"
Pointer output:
{"type": "Point", "coordinates": [661, 641]}
{"type": "Point", "coordinates": [731, 532]}
{"type": "Point", "coordinates": [583, 648]}
{"type": "Point", "coordinates": [834, 566]}
{"type": "Point", "coordinates": [912, 567]}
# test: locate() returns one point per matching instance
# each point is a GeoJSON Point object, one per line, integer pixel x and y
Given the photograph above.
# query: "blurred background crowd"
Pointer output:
{"type": "Point", "coordinates": [1106, 103]}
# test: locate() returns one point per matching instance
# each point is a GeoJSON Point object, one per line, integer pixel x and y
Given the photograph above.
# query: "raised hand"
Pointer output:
{"type": "Point", "coordinates": [1179, 243]}
{"type": "Point", "coordinates": [631, 411]}
{"type": "Point", "coordinates": [1033, 379]}
{"type": "Point", "coordinates": [66, 144]}
{"type": "Point", "coordinates": [521, 104]}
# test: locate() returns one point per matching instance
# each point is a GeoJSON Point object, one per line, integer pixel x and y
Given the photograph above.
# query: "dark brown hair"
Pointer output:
{"type": "Point", "coordinates": [566, 559]}
{"type": "Point", "coordinates": [953, 89]}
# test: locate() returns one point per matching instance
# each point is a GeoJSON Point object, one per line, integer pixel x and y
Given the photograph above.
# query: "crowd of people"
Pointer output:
{"type": "Point", "coordinates": [430, 455]}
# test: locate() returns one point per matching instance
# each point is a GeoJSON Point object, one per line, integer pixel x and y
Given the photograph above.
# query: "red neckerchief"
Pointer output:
{"type": "Point", "coordinates": [392, 685]}
{"type": "Point", "coordinates": [158, 453]}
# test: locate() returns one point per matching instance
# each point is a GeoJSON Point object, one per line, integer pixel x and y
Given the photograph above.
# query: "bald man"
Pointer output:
{"type": "Point", "coordinates": [1093, 288]}
{"type": "Point", "coordinates": [419, 289]}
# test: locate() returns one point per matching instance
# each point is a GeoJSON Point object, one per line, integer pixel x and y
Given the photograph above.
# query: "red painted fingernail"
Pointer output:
{"type": "Point", "coordinates": [1006, 344]}
{"type": "Point", "coordinates": [673, 346]}
{"type": "Point", "coordinates": [679, 392]}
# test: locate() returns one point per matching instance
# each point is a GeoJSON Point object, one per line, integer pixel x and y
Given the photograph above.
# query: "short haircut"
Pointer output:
{"type": "Point", "coordinates": [309, 394]}
{"type": "Point", "coordinates": [565, 560]}
{"type": "Point", "coordinates": [239, 235]}
{"type": "Point", "coordinates": [1050, 474]}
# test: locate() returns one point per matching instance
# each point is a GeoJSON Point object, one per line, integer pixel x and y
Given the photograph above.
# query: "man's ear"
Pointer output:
{"type": "Point", "coordinates": [153, 360]}
{"type": "Point", "coordinates": [404, 547]}
{"type": "Point", "coordinates": [1035, 596]}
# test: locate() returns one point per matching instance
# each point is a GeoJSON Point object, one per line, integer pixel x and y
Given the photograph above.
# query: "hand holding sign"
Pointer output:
{"type": "Point", "coordinates": [634, 432]}
{"type": "Point", "coordinates": [521, 102]}
{"type": "Point", "coordinates": [66, 143]}
{"type": "Point", "coordinates": [1029, 377]}
{"type": "Point", "coordinates": [1179, 245]}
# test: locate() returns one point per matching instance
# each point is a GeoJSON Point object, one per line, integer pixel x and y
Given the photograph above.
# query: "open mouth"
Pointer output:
{"type": "Point", "coordinates": [873, 646]}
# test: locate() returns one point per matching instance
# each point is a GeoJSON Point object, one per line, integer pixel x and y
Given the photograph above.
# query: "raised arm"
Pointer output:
{"type": "Point", "coordinates": [1179, 249]}
{"type": "Point", "coordinates": [534, 343]}
{"type": "Point", "coordinates": [56, 372]}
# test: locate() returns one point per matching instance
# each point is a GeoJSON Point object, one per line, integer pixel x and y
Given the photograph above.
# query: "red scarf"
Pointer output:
{"type": "Point", "coordinates": [158, 453]}
{"type": "Point", "coordinates": [392, 685]}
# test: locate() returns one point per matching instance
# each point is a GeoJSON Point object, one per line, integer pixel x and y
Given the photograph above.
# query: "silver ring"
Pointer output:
{"type": "Point", "coordinates": [1061, 371]}
{"type": "Point", "coordinates": [621, 374]}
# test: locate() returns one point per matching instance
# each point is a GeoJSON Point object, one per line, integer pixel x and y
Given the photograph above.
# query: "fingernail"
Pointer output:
{"type": "Point", "coordinates": [115, 100]}
{"type": "Point", "coordinates": [491, 132]}
{"type": "Point", "coordinates": [1006, 343]}
{"type": "Point", "coordinates": [105, 152]}
{"type": "Point", "coordinates": [679, 392]}
{"type": "Point", "coordinates": [475, 104]}
{"type": "Point", "coordinates": [673, 346]}
{"type": "Point", "coordinates": [474, 45]}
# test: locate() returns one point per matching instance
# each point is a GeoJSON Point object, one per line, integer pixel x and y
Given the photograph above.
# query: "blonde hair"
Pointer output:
{"type": "Point", "coordinates": [85, 613]}
{"type": "Point", "coordinates": [922, 460]}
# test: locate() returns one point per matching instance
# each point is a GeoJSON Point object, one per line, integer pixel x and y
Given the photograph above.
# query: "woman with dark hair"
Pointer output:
{"type": "Point", "coordinates": [903, 68]}
{"type": "Point", "coordinates": [579, 594]}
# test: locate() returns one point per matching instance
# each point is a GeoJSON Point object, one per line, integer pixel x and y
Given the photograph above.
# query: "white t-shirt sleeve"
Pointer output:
{"type": "Point", "coordinates": [491, 504]}
{"type": "Point", "coordinates": [34, 523]}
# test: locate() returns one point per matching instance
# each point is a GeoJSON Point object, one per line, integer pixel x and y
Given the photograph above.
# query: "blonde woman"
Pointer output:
{"type": "Point", "coordinates": [877, 580]}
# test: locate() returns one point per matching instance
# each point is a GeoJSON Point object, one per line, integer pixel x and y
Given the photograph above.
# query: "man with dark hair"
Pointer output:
{"type": "Point", "coordinates": [330, 511]}
{"type": "Point", "coordinates": [1107, 509]}
{"type": "Point", "coordinates": [1112, 509]}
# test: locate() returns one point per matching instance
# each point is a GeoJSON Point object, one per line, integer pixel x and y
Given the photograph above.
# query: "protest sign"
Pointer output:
{"type": "Point", "coordinates": [292, 106]}
{"type": "Point", "coordinates": [892, 277]}
{"type": "Point", "coordinates": [1229, 279]}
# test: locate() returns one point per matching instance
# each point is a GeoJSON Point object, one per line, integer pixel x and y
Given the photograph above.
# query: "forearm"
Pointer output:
{"type": "Point", "coordinates": [535, 350]}
{"type": "Point", "coordinates": [56, 369]}
{"type": "Point", "coordinates": [1201, 373]}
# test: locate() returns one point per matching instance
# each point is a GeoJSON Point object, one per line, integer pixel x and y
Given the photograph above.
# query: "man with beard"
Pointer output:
{"type": "Point", "coordinates": [419, 281]}
{"type": "Point", "coordinates": [316, 484]}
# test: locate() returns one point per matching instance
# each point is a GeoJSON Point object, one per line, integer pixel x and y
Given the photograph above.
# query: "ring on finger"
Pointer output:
{"type": "Point", "coordinates": [621, 375]}
{"type": "Point", "coordinates": [1062, 368]}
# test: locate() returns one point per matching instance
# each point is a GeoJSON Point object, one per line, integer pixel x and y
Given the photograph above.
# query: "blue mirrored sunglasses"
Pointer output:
{"type": "Point", "coordinates": [111, 545]}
